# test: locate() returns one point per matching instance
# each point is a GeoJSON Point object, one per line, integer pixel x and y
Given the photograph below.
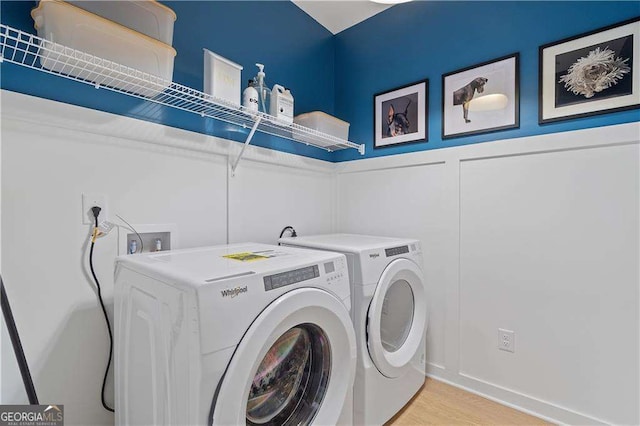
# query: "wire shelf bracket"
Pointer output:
{"type": "Point", "coordinates": [246, 143]}
{"type": "Point", "coordinates": [28, 50]}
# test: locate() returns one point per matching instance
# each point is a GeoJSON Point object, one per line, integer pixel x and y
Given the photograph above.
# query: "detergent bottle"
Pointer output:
{"type": "Point", "coordinates": [281, 104]}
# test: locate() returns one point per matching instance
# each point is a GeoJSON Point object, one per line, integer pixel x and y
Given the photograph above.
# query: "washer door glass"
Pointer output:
{"type": "Point", "coordinates": [291, 380]}
{"type": "Point", "coordinates": [397, 315]}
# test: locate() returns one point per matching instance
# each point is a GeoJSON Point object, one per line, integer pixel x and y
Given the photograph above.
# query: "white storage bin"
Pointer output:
{"type": "Point", "coordinates": [75, 28]}
{"type": "Point", "coordinates": [145, 16]}
{"type": "Point", "coordinates": [222, 78]}
{"type": "Point", "coordinates": [325, 123]}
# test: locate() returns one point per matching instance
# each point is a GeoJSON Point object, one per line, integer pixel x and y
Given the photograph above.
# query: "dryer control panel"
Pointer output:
{"type": "Point", "coordinates": [394, 251]}
{"type": "Point", "coordinates": [335, 271]}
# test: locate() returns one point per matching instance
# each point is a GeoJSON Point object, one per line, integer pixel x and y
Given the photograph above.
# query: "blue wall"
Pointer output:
{"type": "Point", "coordinates": [419, 40]}
{"type": "Point", "coordinates": [340, 74]}
{"type": "Point", "coordinates": [297, 52]}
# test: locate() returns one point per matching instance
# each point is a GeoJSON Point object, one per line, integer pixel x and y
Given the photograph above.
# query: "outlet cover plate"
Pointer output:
{"type": "Point", "coordinates": [506, 340]}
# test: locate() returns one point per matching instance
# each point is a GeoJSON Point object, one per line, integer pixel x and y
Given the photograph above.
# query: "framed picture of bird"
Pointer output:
{"type": "Point", "coordinates": [591, 73]}
{"type": "Point", "coordinates": [481, 98]}
{"type": "Point", "coordinates": [400, 115]}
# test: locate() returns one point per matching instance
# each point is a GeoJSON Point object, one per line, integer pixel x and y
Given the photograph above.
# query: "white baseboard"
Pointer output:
{"type": "Point", "coordinates": [525, 403]}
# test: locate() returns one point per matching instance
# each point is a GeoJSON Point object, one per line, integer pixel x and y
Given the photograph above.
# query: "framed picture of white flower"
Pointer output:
{"type": "Point", "coordinates": [592, 73]}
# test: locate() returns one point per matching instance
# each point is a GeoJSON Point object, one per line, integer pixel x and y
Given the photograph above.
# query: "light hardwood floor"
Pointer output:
{"type": "Point", "coordinates": [441, 404]}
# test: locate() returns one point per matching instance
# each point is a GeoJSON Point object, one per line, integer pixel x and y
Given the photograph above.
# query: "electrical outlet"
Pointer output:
{"type": "Point", "coordinates": [90, 200]}
{"type": "Point", "coordinates": [506, 340]}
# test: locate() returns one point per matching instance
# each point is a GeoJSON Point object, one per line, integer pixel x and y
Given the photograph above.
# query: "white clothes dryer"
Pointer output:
{"type": "Point", "coordinates": [240, 334]}
{"type": "Point", "coordinates": [390, 315]}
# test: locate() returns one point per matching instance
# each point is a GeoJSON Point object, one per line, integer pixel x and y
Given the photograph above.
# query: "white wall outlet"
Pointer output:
{"type": "Point", "coordinates": [90, 200]}
{"type": "Point", "coordinates": [506, 340]}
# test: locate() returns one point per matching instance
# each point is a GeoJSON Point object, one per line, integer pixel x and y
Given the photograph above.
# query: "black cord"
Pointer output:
{"type": "Point", "coordinates": [285, 229]}
{"type": "Point", "coordinates": [106, 317]}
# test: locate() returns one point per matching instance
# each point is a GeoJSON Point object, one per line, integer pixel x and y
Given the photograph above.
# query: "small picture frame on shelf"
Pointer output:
{"type": "Point", "coordinates": [592, 73]}
{"type": "Point", "coordinates": [481, 98]}
{"type": "Point", "coordinates": [400, 115]}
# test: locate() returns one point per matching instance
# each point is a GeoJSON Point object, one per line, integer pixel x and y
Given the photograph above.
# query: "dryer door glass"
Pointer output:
{"type": "Point", "coordinates": [397, 318]}
{"type": "Point", "coordinates": [397, 315]}
{"type": "Point", "coordinates": [291, 380]}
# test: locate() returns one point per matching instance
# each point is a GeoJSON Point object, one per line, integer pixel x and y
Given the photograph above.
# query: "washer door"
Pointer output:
{"type": "Point", "coordinates": [294, 366]}
{"type": "Point", "coordinates": [397, 318]}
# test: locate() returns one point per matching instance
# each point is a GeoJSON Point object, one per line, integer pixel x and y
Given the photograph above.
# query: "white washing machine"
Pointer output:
{"type": "Point", "coordinates": [240, 334]}
{"type": "Point", "coordinates": [390, 315]}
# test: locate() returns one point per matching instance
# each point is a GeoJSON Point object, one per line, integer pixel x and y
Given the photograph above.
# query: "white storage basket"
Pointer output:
{"type": "Point", "coordinates": [116, 48]}
{"type": "Point", "coordinates": [144, 16]}
{"type": "Point", "coordinates": [325, 123]}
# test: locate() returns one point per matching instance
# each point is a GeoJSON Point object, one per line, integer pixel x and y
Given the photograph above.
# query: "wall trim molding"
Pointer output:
{"type": "Point", "coordinates": [618, 134]}
{"type": "Point", "coordinates": [526, 403]}
{"type": "Point", "coordinates": [32, 114]}
{"type": "Point", "coordinates": [448, 380]}
{"type": "Point", "coordinates": [447, 367]}
{"type": "Point", "coordinates": [585, 418]}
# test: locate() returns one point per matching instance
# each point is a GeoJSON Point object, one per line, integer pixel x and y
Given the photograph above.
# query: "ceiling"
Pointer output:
{"type": "Point", "coordinates": [338, 15]}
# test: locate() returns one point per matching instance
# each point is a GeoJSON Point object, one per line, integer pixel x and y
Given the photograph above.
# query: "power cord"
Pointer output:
{"type": "Point", "coordinates": [288, 228]}
{"type": "Point", "coordinates": [96, 211]}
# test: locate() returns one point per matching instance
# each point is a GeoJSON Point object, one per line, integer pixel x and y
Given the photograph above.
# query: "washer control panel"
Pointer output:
{"type": "Point", "coordinates": [272, 282]}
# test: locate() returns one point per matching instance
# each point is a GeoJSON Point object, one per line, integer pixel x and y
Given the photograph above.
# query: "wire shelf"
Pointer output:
{"type": "Point", "coordinates": [28, 50]}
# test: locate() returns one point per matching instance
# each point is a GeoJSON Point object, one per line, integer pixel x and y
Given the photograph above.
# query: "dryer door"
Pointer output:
{"type": "Point", "coordinates": [294, 366]}
{"type": "Point", "coordinates": [397, 317]}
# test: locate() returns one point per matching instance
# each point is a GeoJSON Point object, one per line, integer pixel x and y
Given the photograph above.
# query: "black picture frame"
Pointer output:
{"type": "Point", "coordinates": [566, 88]}
{"type": "Point", "coordinates": [409, 107]}
{"type": "Point", "coordinates": [496, 109]}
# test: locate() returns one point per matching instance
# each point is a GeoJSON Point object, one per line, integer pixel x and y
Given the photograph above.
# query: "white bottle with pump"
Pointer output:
{"type": "Point", "coordinates": [264, 93]}
{"type": "Point", "coordinates": [250, 97]}
{"type": "Point", "coordinates": [282, 104]}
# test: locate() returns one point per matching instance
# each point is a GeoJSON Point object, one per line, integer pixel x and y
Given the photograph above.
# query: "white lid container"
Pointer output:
{"type": "Point", "coordinates": [325, 123]}
{"type": "Point", "coordinates": [222, 78]}
{"type": "Point", "coordinates": [72, 27]}
{"type": "Point", "coordinates": [145, 16]}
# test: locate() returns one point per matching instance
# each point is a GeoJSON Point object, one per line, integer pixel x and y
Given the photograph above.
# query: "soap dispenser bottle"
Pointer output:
{"type": "Point", "coordinates": [264, 93]}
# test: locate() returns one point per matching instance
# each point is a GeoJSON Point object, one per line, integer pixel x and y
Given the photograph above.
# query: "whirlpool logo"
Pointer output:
{"type": "Point", "coordinates": [233, 292]}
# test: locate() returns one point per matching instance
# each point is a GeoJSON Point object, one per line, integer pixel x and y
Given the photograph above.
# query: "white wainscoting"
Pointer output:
{"type": "Point", "coordinates": [538, 235]}
{"type": "Point", "coordinates": [51, 154]}
{"type": "Point", "coordinates": [262, 194]}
